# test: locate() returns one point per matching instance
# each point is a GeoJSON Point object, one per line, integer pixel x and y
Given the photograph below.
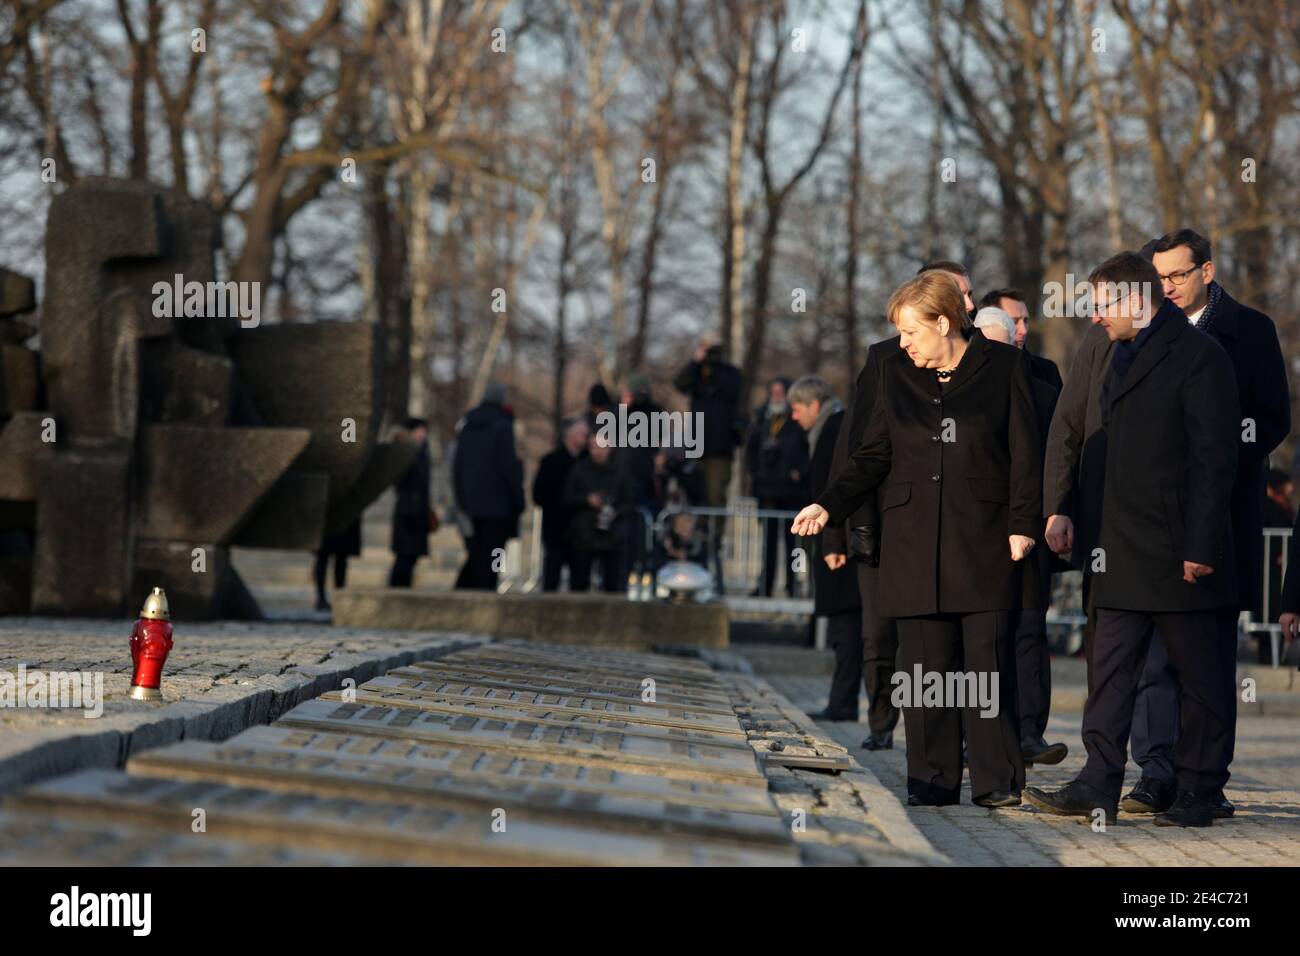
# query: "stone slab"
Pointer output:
{"type": "Point", "coordinates": [582, 619]}
{"type": "Point", "coordinates": [238, 763]}
{"type": "Point", "coordinates": [633, 711]}
{"type": "Point", "coordinates": [552, 717]}
{"type": "Point", "coordinates": [38, 839]}
{"type": "Point", "coordinates": [426, 835]}
{"type": "Point", "coordinates": [578, 742]}
{"type": "Point", "coordinates": [541, 681]}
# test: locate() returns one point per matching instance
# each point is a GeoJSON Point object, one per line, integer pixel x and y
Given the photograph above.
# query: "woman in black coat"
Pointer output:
{"type": "Point", "coordinates": [953, 446]}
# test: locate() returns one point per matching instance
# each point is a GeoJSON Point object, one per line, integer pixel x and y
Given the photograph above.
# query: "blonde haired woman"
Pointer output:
{"type": "Point", "coordinates": [953, 447]}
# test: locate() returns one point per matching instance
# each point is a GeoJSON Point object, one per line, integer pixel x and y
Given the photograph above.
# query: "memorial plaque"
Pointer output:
{"type": "Point", "coordinates": [587, 657]}
{"type": "Point", "coordinates": [403, 782]}
{"type": "Point", "coordinates": [416, 834]}
{"type": "Point", "coordinates": [551, 717]}
{"type": "Point", "coordinates": [532, 678]}
{"type": "Point", "coordinates": [32, 839]}
{"type": "Point", "coordinates": [586, 743]}
{"type": "Point", "coordinates": [432, 686]}
{"type": "Point", "coordinates": [579, 670]}
{"type": "Point", "coordinates": [468, 761]}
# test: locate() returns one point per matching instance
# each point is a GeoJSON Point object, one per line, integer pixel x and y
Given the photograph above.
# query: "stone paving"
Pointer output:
{"type": "Point", "coordinates": [1265, 787]}
{"type": "Point", "coordinates": [582, 756]}
{"type": "Point", "coordinates": [219, 679]}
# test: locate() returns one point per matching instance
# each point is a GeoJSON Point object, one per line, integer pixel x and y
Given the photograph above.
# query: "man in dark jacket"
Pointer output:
{"type": "Point", "coordinates": [713, 386]}
{"type": "Point", "coordinates": [835, 589]}
{"type": "Point", "coordinates": [638, 464]}
{"type": "Point", "coordinates": [410, 538]}
{"type": "Point", "coordinates": [776, 458]}
{"type": "Point", "coordinates": [488, 480]}
{"type": "Point", "coordinates": [1169, 411]}
{"type": "Point", "coordinates": [598, 493]}
{"type": "Point", "coordinates": [548, 494]}
{"type": "Point", "coordinates": [1184, 262]}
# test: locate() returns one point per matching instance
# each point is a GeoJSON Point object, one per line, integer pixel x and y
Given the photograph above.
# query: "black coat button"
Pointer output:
{"type": "Point", "coordinates": [934, 477]}
{"type": "Point", "coordinates": [934, 401]}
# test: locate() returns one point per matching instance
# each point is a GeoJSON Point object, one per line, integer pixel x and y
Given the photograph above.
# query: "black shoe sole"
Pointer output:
{"type": "Point", "coordinates": [1046, 807]}
{"type": "Point", "coordinates": [1129, 805]}
{"type": "Point", "coordinates": [1049, 757]}
{"type": "Point", "coordinates": [999, 804]}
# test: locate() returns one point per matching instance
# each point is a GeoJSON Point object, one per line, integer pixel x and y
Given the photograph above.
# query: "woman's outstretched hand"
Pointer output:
{"type": "Point", "coordinates": [1020, 546]}
{"type": "Point", "coordinates": [810, 521]}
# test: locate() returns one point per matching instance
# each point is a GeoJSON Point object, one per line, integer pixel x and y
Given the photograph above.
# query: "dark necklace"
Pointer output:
{"type": "Point", "coordinates": [944, 374]}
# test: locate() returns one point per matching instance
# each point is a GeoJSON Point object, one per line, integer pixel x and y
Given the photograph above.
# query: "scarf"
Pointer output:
{"type": "Point", "coordinates": [829, 408]}
{"type": "Point", "coordinates": [1215, 293]}
{"type": "Point", "coordinates": [1127, 352]}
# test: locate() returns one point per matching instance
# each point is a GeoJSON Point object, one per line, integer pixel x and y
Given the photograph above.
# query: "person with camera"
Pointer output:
{"type": "Point", "coordinates": [600, 496]}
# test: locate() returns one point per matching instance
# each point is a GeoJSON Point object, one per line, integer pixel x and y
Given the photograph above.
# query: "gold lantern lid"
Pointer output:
{"type": "Point", "coordinates": [155, 606]}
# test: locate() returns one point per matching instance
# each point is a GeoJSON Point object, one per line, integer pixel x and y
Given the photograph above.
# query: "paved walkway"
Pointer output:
{"type": "Point", "coordinates": [1265, 786]}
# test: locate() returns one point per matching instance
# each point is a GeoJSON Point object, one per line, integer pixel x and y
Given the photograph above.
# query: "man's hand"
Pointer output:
{"type": "Point", "coordinates": [1290, 625]}
{"type": "Point", "coordinates": [1020, 546]}
{"type": "Point", "coordinates": [1060, 534]}
{"type": "Point", "coordinates": [1192, 571]}
{"type": "Point", "coordinates": [810, 521]}
{"type": "Point", "coordinates": [596, 501]}
{"type": "Point", "coordinates": [836, 561]}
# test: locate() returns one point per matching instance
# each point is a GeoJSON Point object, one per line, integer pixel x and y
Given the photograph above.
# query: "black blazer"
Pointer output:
{"type": "Point", "coordinates": [834, 592]}
{"type": "Point", "coordinates": [859, 537]}
{"type": "Point", "coordinates": [1172, 431]}
{"type": "Point", "coordinates": [963, 469]}
{"type": "Point", "coordinates": [1250, 339]}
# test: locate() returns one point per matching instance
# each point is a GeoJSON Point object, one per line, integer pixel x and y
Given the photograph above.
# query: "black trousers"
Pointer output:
{"type": "Point", "coordinates": [773, 530]}
{"type": "Point", "coordinates": [611, 570]}
{"type": "Point", "coordinates": [844, 634]}
{"type": "Point", "coordinates": [485, 549]}
{"type": "Point", "coordinates": [1033, 663]}
{"type": "Point", "coordinates": [1203, 665]}
{"type": "Point", "coordinates": [403, 567]}
{"type": "Point", "coordinates": [553, 563]}
{"type": "Point", "coordinates": [949, 644]}
{"type": "Point", "coordinates": [1156, 712]}
{"type": "Point", "coordinates": [340, 572]}
{"type": "Point", "coordinates": [879, 653]}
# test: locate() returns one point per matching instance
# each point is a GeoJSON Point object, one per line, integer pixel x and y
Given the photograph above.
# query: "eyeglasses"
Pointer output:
{"type": "Point", "coordinates": [1178, 278]}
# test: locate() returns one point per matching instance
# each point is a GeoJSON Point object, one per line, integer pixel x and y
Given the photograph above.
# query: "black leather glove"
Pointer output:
{"type": "Point", "coordinates": [864, 544]}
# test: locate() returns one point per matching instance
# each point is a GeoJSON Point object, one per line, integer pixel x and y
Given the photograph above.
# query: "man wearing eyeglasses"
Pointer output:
{"type": "Point", "coordinates": [1169, 423]}
{"type": "Point", "coordinates": [1186, 269]}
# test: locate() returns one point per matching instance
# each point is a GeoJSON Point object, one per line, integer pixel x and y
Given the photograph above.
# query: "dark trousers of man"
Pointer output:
{"type": "Point", "coordinates": [1202, 665]}
{"type": "Point", "coordinates": [340, 572]}
{"type": "Point", "coordinates": [553, 563]}
{"type": "Point", "coordinates": [1033, 663]}
{"type": "Point", "coordinates": [611, 570]}
{"type": "Point", "coordinates": [773, 531]}
{"type": "Point", "coordinates": [980, 642]}
{"type": "Point", "coordinates": [717, 477]}
{"type": "Point", "coordinates": [879, 653]}
{"type": "Point", "coordinates": [403, 568]}
{"type": "Point", "coordinates": [1156, 713]}
{"type": "Point", "coordinates": [844, 634]}
{"type": "Point", "coordinates": [486, 547]}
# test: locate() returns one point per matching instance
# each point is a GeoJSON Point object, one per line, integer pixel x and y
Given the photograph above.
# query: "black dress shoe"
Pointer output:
{"type": "Point", "coordinates": [1223, 807]}
{"type": "Point", "coordinates": [1188, 810]}
{"type": "Point", "coordinates": [830, 715]}
{"type": "Point", "coordinates": [1075, 799]}
{"type": "Point", "coordinates": [876, 741]}
{"type": "Point", "coordinates": [1149, 796]}
{"type": "Point", "coordinates": [995, 799]}
{"type": "Point", "coordinates": [1041, 752]}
